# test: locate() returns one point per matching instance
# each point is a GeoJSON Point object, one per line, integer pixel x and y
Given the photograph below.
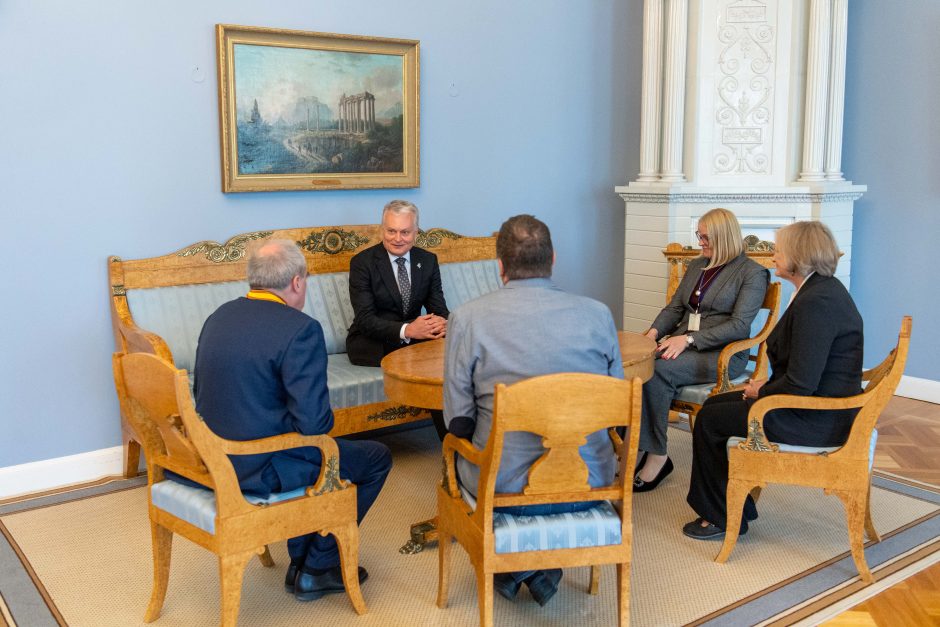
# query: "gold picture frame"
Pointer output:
{"type": "Point", "coordinates": [308, 111]}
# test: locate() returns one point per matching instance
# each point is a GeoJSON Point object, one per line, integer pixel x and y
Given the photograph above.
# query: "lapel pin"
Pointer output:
{"type": "Point", "coordinates": [419, 265]}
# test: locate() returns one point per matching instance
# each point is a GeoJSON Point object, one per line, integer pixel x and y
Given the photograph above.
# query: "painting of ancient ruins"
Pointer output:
{"type": "Point", "coordinates": [318, 111]}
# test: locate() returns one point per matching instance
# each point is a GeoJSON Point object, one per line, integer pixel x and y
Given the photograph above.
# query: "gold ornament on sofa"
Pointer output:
{"type": "Point", "coordinates": [232, 250]}
{"type": "Point", "coordinates": [332, 241]}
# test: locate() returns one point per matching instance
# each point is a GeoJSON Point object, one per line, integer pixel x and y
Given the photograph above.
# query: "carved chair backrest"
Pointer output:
{"type": "Point", "coordinates": [772, 305]}
{"type": "Point", "coordinates": [679, 256]}
{"type": "Point", "coordinates": [882, 381]}
{"type": "Point", "coordinates": [563, 409]}
{"type": "Point", "coordinates": [175, 437]}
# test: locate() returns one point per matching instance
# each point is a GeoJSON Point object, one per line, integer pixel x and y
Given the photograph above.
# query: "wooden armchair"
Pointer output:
{"type": "Point", "coordinates": [564, 409]}
{"type": "Point", "coordinates": [844, 471]}
{"type": "Point", "coordinates": [233, 525]}
{"type": "Point", "coordinates": [691, 397]}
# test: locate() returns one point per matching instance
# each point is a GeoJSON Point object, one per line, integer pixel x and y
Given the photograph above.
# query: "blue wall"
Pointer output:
{"type": "Point", "coordinates": [892, 144]}
{"type": "Point", "coordinates": [110, 147]}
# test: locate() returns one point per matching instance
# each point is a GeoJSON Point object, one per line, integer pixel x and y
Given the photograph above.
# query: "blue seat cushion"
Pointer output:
{"type": "Point", "coordinates": [816, 450]}
{"type": "Point", "coordinates": [699, 392]}
{"type": "Point", "coordinates": [598, 526]}
{"type": "Point", "coordinates": [351, 385]}
{"type": "Point", "coordinates": [197, 505]}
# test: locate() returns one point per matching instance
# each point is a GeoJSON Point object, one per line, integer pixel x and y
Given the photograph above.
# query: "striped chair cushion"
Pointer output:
{"type": "Point", "coordinates": [197, 505]}
{"type": "Point", "coordinates": [816, 450]}
{"type": "Point", "coordinates": [598, 526]}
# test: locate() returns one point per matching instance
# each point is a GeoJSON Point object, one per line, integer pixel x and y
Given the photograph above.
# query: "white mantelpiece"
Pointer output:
{"type": "Point", "coordinates": [741, 108]}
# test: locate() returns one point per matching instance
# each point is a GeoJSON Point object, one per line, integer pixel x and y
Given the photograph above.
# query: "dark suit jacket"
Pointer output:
{"type": "Point", "coordinates": [261, 371]}
{"type": "Point", "coordinates": [816, 350]}
{"type": "Point", "coordinates": [377, 304]}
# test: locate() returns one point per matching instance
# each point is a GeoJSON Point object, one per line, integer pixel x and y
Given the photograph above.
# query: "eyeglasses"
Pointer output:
{"type": "Point", "coordinates": [702, 237]}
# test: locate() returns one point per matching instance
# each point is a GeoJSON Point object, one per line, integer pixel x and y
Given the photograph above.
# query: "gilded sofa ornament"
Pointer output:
{"type": "Point", "coordinates": [434, 237]}
{"type": "Point", "coordinates": [394, 413]}
{"type": "Point", "coordinates": [332, 241]}
{"type": "Point", "coordinates": [118, 290]}
{"type": "Point", "coordinates": [230, 251]}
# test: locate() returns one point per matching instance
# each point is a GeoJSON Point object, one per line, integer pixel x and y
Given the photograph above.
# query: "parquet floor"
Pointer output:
{"type": "Point", "coordinates": [908, 445]}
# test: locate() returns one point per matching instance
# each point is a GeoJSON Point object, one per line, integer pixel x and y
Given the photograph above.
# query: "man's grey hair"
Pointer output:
{"type": "Point", "coordinates": [401, 206]}
{"type": "Point", "coordinates": [274, 264]}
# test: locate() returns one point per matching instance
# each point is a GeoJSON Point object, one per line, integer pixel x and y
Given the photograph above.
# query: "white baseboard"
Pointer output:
{"type": "Point", "coordinates": [60, 471]}
{"type": "Point", "coordinates": [919, 389]}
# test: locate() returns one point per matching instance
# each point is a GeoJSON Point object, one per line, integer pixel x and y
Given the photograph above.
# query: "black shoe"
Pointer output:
{"type": "Point", "coordinates": [710, 531]}
{"type": "Point", "coordinates": [506, 586]}
{"type": "Point", "coordinates": [544, 584]}
{"type": "Point", "coordinates": [309, 587]}
{"type": "Point", "coordinates": [291, 577]}
{"type": "Point", "coordinates": [645, 486]}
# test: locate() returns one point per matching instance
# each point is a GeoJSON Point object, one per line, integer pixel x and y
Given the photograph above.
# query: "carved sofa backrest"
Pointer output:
{"type": "Point", "coordinates": [159, 304]}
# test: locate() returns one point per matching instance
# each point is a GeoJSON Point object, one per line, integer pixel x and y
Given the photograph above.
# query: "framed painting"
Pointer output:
{"type": "Point", "coordinates": [301, 110]}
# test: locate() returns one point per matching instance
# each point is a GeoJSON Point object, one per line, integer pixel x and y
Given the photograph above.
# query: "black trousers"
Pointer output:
{"type": "Point", "coordinates": [724, 416]}
{"type": "Point", "coordinates": [720, 418]}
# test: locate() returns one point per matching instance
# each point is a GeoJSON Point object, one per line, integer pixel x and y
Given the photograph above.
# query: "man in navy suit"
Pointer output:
{"type": "Point", "coordinates": [389, 283]}
{"type": "Point", "coordinates": [261, 371]}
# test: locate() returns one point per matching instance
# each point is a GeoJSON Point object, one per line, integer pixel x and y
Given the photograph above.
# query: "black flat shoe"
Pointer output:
{"type": "Point", "coordinates": [695, 530]}
{"type": "Point", "coordinates": [506, 586]}
{"type": "Point", "coordinates": [544, 584]}
{"type": "Point", "coordinates": [310, 587]}
{"type": "Point", "coordinates": [645, 486]}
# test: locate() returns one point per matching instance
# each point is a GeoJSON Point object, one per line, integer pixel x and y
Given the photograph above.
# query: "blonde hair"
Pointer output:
{"type": "Point", "coordinates": [724, 234]}
{"type": "Point", "coordinates": [808, 247]}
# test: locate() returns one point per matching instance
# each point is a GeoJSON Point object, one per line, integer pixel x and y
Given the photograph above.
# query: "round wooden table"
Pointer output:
{"type": "Point", "coordinates": [414, 376]}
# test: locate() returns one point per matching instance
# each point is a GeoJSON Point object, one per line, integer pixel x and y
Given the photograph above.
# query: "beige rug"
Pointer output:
{"type": "Point", "coordinates": [92, 558]}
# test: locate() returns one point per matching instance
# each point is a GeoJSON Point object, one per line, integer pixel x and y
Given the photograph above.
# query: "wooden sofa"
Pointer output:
{"type": "Point", "coordinates": [158, 306]}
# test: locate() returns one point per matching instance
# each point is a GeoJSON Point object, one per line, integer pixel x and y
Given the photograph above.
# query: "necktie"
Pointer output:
{"type": "Point", "coordinates": [404, 284]}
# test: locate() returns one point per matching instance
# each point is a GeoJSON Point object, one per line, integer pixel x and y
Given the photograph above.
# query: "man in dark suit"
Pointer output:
{"type": "Point", "coordinates": [389, 283]}
{"type": "Point", "coordinates": [261, 371]}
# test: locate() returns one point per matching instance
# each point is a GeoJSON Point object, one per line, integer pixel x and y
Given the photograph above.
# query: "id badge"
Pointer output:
{"type": "Point", "coordinates": [695, 320]}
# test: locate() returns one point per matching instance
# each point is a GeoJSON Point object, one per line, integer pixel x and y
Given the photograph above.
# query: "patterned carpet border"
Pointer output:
{"type": "Point", "coordinates": [24, 600]}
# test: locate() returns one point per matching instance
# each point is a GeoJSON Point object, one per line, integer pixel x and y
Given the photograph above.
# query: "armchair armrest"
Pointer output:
{"type": "Point", "coordinates": [452, 444]}
{"type": "Point", "coordinates": [729, 351]}
{"type": "Point", "coordinates": [757, 440]}
{"type": "Point", "coordinates": [329, 467]}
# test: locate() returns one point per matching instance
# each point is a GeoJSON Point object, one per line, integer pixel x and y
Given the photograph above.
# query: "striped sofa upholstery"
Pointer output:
{"type": "Point", "coordinates": [177, 314]}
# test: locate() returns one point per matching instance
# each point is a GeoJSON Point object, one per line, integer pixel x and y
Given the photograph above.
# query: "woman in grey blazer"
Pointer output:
{"type": "Point", "coordinates": [714, 305]}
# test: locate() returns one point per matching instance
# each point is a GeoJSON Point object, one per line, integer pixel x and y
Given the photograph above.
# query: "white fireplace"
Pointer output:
{"type": "Point", "coordinates": [741, 108]}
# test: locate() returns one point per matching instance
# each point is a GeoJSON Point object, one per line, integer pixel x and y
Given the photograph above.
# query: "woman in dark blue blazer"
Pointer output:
{"type": "Point", "coordinates": [815, 350]}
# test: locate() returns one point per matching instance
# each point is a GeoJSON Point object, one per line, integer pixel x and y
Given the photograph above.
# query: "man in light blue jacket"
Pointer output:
{"type": "Point", "coordinates": [527, 328]}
